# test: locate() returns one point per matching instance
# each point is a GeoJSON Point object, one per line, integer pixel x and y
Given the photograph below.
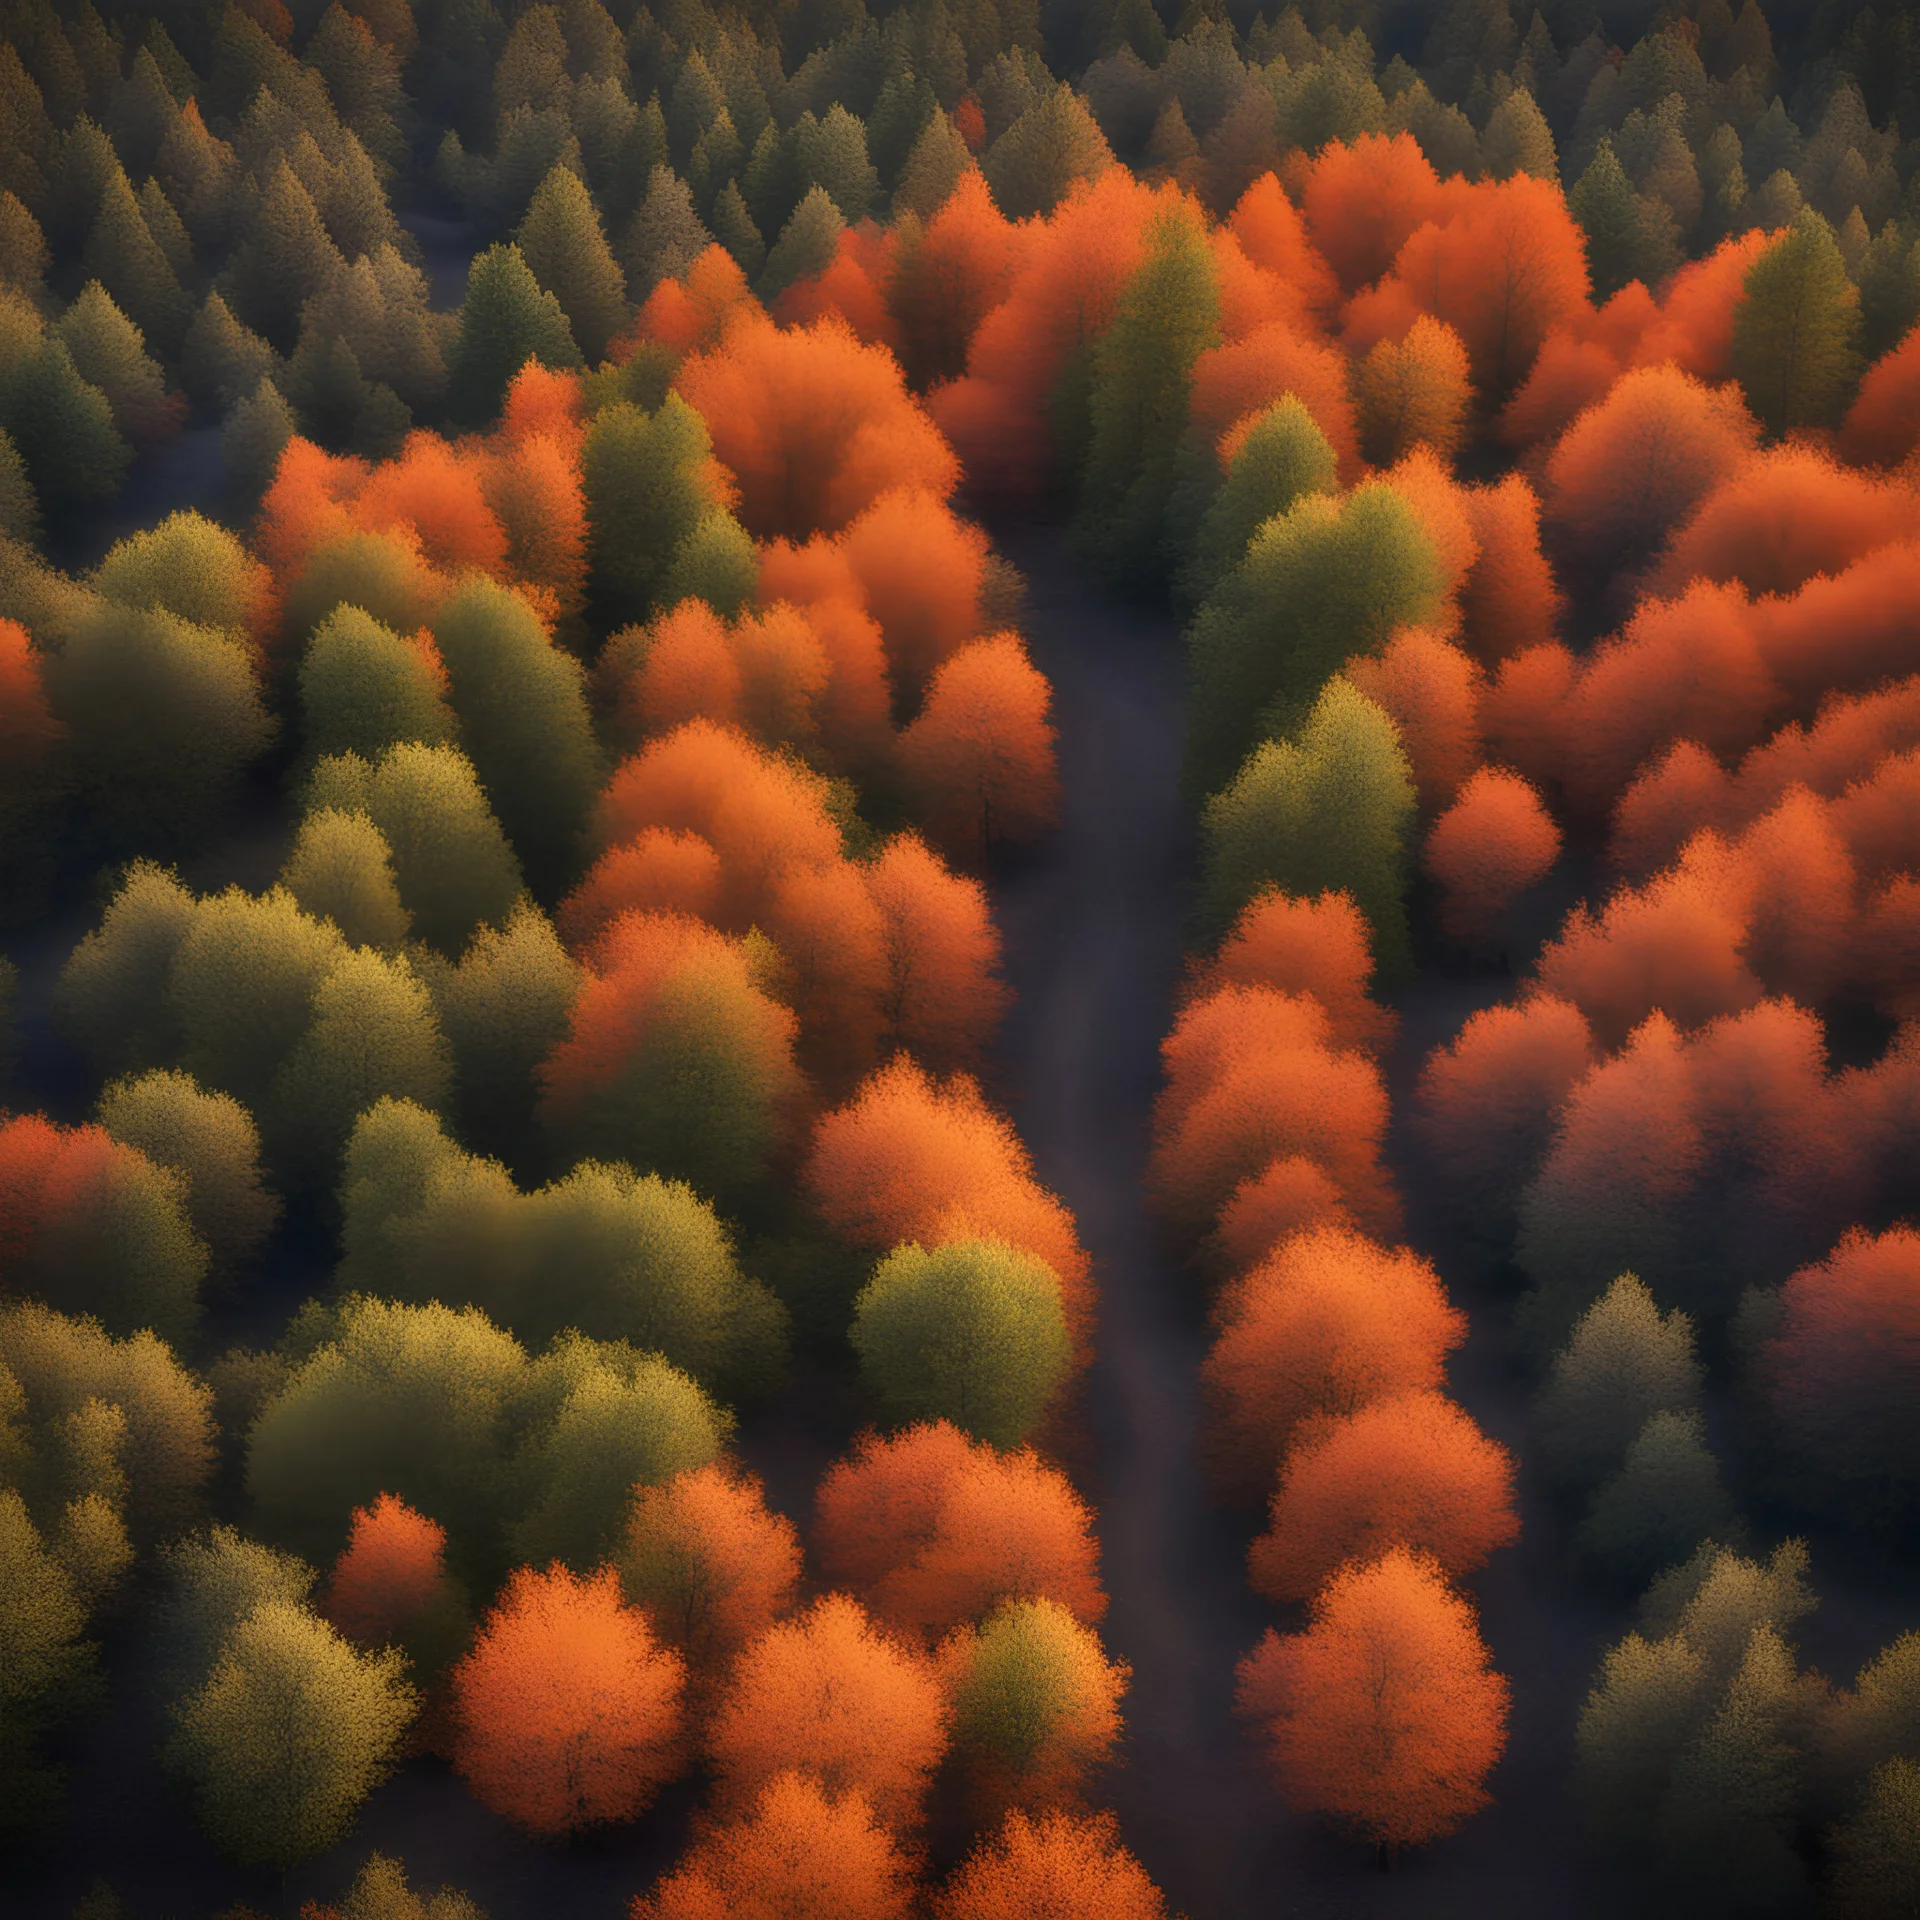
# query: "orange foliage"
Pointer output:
{"type": "Point", "coordinates": [947, 278]}
{"type": "Point", "coordinates": [692, 313]}
{"type": "Point", "coordinates": [31, 1146]}
{"type": "Point", "coordinates": [1886, 942]}
{"type": "Point", "coordinates": [800, 1854]}
{"type": "Point", "coordinates": [912, 1158]}
{"type": "Point", "coordinates": [568, 1710]}
{"type": "Point", "coordinates": [1430, 690]}
{"type": "Point", "coordinates": [1852, 631]}
{"type": "Point", "coordinates": [1328, 1323]}
{"type": "Point", "coordinates": [1520, 712]}
{"type": "Point", "coordinates": [1246, 376]}
{"type": "Point", "coordinates": [1413, 391]}
{"type": "Point", "coordinates": [1248, 296]}
{"type": "Point", "coordinates": [783, 672]}
{"type": "Point", "coordinates": [833, 940]}
{"type": "Point", "coordinates": [944, 996]}
{"type": "Point", "coordinates": [1365, 201]}
{"type": "Point", "coordinates": [543, 404]}
{"type": "Point", "coordinates": [980, 756]}
{"type": "Point", "coordinates": [713, 1567]}
{"type": "Point", "coordinates": [760, 813]}
{"type": "Point", "coordinates": [29, 734]}
{"type": "Point", "coordinates": [1570, 374]}
{"type": "Point", "coordinates": [1636, 464]}
{"type": "Point", "coordinates": [1801, 905]}
{"type": "Point", "coordinates": [1668, 800]}
{"type": "Point", "coordinates": [1695, 328]}
{"type": "Point", "coordinates": [1880, 817]}
{"type": "Point", "coordinates": [1267, 1207]}
{"type": "Point", "coordinates": [1414, 1472]}
{"type": "Point", "coordinates": [689, 673]}
{"type": "Point", "coordinates": [848, 289]}
{"type": "Point", "coordinates": [831, 1695]}
{"type": "Point", "coordinates": [1849, 738]}
{"type": "Point", "coordinates": [1041, 1869]}
{"type": "Point", "coordinates": [534, 490]}
{"type": "Point", "coordinates": [658, 871]}
{"type": "Point", "coordinates": [1252, 1077]}
{"type": "Point", "coordinates": [1075, 265]}
{"type": "Point", "coordinates": [813, 425]}
{"type": "Point", "coordinates": [307, 506]}
{"type": "Point", "coordinates": [1319, 948]}
{"type": "Point", "coordinates": [1508, 601]}
{"type": "Point", "coordinates": [921, 571]}
{"type": "Point", "coordinates": [1487, 1100]}
{"type": "Point", "coordinates": [933, 1529]}
{"type": "Point", "coordinates": [1882, 426]}
{"type": "Point", "coordinates": [390, 1574]}
{"type": "Point", "coordinates": [1785, 515]}
{"type": "Point", "coordinates": [1385, 1712]}
{"type": "Point", "coordinates": [435, 490]}
{"type": "Point", "coordinates": [1487, 849]}
{"type": "Point", "coordinates": [1274, 237]}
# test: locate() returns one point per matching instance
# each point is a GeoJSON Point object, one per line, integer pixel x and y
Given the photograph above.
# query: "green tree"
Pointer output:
{"type": "Point", "coordinates": [221, 361]}
{"type": "Point", "coordinates": [1609, 212]}
{"type": "Point", "coordinates": [806, 246]}
{"type": "Point", "coordinates": [1030, 1688]}
{"type": "Point", "coordinates": [363, 82]}
{"type": "Point", "coordinates": [523, 718]}
{"type": "Point", "coordinates": [1283, 457]}
{"type": "Point", "coordinates": [380, 1892]}
{"type": "Point", "coordinates": [164, 716]}
{"type": "Point", "coordinates": [831, 153]}
{"type": "Point", "coordinates": [340, 869]}
{"type": "Point", "coordinates": [189, 566]}
{"type": "Point", "coordinates": [122, 256]}
{"type": "Point", "coordinates": [508, 319]}
{"type": "Point", "coordinates": [254, 437]}
{"type": "Point", "coordinates": [1876, 1850]}
{"type": "Point", "coordinates": [504, 1008]}
{"type": "Point", "coordinates": [214, 1580]}
{"type": "Point", "coordinates": [380, 573]}
{"type": "Point", "coordinates": [373, 1036]}
{"type": "Point", "coordinates": [1142, 374]}
{"type": "Point", "coordinates": [1331, 810]}
{"type": "Point", "coordinates": [565, 249]}
{"type": "Point", "coordinates": [211, 1142]}
{"type": "Point", "coordinates": [110, 353]}
{"type": "Point", "coordinates": [1322, 582]}
{"type": "Point", "coordinates": [284, 257]}
{"type": "Point", "coordinates": [716, 562]}
{"type": "Point", "coordinates": [627, 1420]}
{"type": "Point", "coordinates": [734, 228]}
{"type": "Point", "coordinates": [363, 689]}
{"type": "Point", "coordinates": [455, 868]}
{"type": "Point", "coordinates": [111, 996]}
{"type": "Point", "coordinates": [1795, 331]}
{"type": "Point", "coordinates": [647, 491]}
{"type": "Point", "coordinates": [972, 1332]}
{"type": "Point", "coordinates": [292, 1730]}
{"type": "Point", "coordinates": [19, 506]}
{"type": "Point", "coordinates": [1517, 139]}
{"type": "Point", "coordinates": [241, 988]}
{"type": "Point", "coordinates": [1054, 143]}
{"type": "Point", "coordinates": [932, 169]}
{"type": "Point", "coordinates": [45, 1668]}
{"type": "Point", "coordinates": [64, 430]}
{"type": "Point", "coordinates": [665, 235]}
{"type": "Point", "coordinates": [1666, 1498]}
{"type": "Point", "coordinates": [1625, 1362]}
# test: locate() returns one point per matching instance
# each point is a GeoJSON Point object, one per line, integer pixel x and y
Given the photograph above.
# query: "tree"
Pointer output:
{"type": "Point", "coordinates": [1412, 392]}
{"type": "Point", "coordinates": [1384, 1712]}
{"type": "Point", "coordinates": [1494, 842]}
{"type": "Point", "coordinates": [830, 1693]}
{"type": "Point", "coordinates": [1411, 1472]}
{"type": "Point", "coordinates": [380, 1892]}
{"type": "Point", "coordinates": [390, 1586]}
{"type": "Point", "coordinates": [1363, 199]}
{"type": "Point", "coordinates": [981, 750]}
{"type": "Point", "coordinates": [111, 992]}
{"type": "Point", "coordinates": [110, 353]}
{"type": "Point", "coordinates": [1281, 456]}
{"type": "Point", "coordinates": [124, 259]}
{"type": "Point", "coordinates": [1312, 948]}
{"type": "Point", "coordinates": [972, 1331]}
{"type": "Point", "coordinates": [341, 870]}
{"type": "Point", "coordinates": [64, 430]}
{"type": "Point", "coordinates": [363, 688]}
{"type": "Point", "coordinates": [1060, 1863]}
{"type": "Point", "coordinates": [1875, 1871]}
{"type": "Point", "coordinates": [255, 435]}
{"type": "Point", "coordinates": [568, 1710]}
{"type": "Point", "coordinates": [1137, 405]}
{"type": "Point", "coordinates": [1330, 811]}
{"type": "Point", "coordinates": [1666, 1499]}
{"type": "Point", "coordinates": [922, 572]}
{"type": "Point", "coordinates": [806, 246]}
{"type": "Point", "coordinates": [648, 487]}
{"type": "Point", "coordinates": [933, 1530]}
{"type": "Point", "coordinates": [1431, 691]}
{"type": "Point", "coordinates": [46, 1667]}
{"type": "Point", "coordinates": [1035, 1703]}
{"type": "Point", "coordinates": [674, 1057]}
{"type": "Point", "coordinates": [708, 1563]}
{"type": "Point", "coordinates": [1613, 222]}
{"type": "Point", "coordinates": [190, 566]}
{"type": "Point", "coordinates": [799, 1854]}
{"type": "Point", "coordinates": [1795, 329]}
{"type": "Point", "coordinates": [284, 258]}
{"type": "Point", "coordinates": [1055, 143]}
{"type": "Point", "coordinates": [508, 318]}
{"type": "Point", "coordinates": [290, 1732]}
{"type": "Point", "coordinates": [949, 273]}
{"type": "Point", "coordinates": [454, 866]}
{"type": "Point", "coordinates": [665, 235]}
{"type": "Point", "coordinates": [19, 505]}
{"type": "Point", "coordinates": [210, 1140]}
{"type": "Point", "coordinates": [1626, 1362]}
{"type": "Point", "coordinates": [560, 239]}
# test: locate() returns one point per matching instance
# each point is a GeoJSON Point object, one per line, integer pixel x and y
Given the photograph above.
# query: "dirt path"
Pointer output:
{"type": "Point", "coordinates": [1094, 937]}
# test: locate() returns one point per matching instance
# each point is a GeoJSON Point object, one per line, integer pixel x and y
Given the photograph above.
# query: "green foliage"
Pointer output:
{"type": "Point", "coordinates": [284, 257]}
{"type": "Point", "coordinates": [567, 253]}
{"type": "Point", "coordinates": [1625, 1362]}
{"type": "Point", "coordinates": [45, 1666]}
{"type": "Point", "coordinates": [932, 169]}
{"type": "Point", "coordinates": [665, 235]}
{"type": "Point", "coordinates": [19, 506]}
{"type": "Point", "coordinates": [380, 1892]}
{"type": "Point", "coordinates": [1142, 372]}
{"type": "Point", "coordinates": [111, 354]}
{"type": "Point", "coordinates": [214, 1580]}
{"type": "Point", "coordinates": [1055, 142]}
{"type": "Point", "coordinates": [1331, 810]}
{"type": "Point", "coordinates": [508, 319]}
{"type": "Point", "coordinates": [1612, 219]}
{"type": "Point", "coordinates": [363, 689]}
{"type": "Point", "coordinates": [188, 566]}
{"type": "Point", "coordinates": [1322, 582]}
{"type": "Point", "coordinates": [254, 437]}
{"type": "Point", "coordinates": [973, 1332]}
{"type": "Point", "coordinates": [1025, 1683]}
{"type": "Point", "coordinates": [111, 994]}
{"type": "Point", "coordinates": [211, 1142]}
{"type": "Point", "coordinates": [455, 869]}
{"type": "Point", "coordinates": [1795, 331]}
{"type": "Point", "coordinates": [123, 257]}
{"type": "Point", "coordinates": [341, 870]}
{"type": "Point", "coordinates": [64, 430]}
{"type": "Point", "coordinates": [523, 718]}
{"type": "Point", "coordinates": [1666, 1498]}
{"type": "Point", "coordinates": [715, 562]}
{"type": "Point", "coordinates": [806, 246]}
{"type": "Point", "coordinates": [291, 1732]}
{"type": "Point", "coordinates": [379, 573]}
{"type": "Point", "coordinates": [647, 491]}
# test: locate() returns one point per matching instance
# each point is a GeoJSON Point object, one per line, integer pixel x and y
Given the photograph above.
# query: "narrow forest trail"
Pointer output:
{"type": "Point", "coordinates": [1094, 927]}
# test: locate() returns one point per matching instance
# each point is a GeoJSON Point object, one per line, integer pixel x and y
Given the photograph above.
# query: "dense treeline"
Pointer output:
{"type": "Point", "coordinates": [1522, 427]}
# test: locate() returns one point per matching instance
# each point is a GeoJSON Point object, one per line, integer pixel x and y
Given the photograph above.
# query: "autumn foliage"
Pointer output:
{"type": "Point", "coordinates": [390, 1576]}
{"type": "Point", "coordinates": [1034, 1869]}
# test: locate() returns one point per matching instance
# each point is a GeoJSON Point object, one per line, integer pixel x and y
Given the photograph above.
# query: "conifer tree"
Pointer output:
{"type": "Point", "coordinates": [716, 562]}
{"type": "Point", "coordinates": [564, 248]}
{"type": "Point", "coordinates": [110, 353]}
{"type": "Point", "coordinates": [831, 153]}
{"type": "Point", "coordinates": [221, 361]}
{"type": "Point", "coordinates": [665, 235]}
{"type": "Point", "coordinates": [19, 505]}
{"type": "Point", "coordinates": [1517, 139]}
{"type": "Point", "coordinates": [1665, 1500]}
{"type": "Point", "coordinates": [284, 257]}
{"type": "Point", "coordinates": [807, 243]}
{"type": "Point", "coordinates": [1054, 143]}
{"type": "Point", "coordinates": [64, 430]}
{"type": "Point", "coordinates": [253, 439]}
{"type": "Point", "coordinates": [1795, 331]}
{"type": "Point", "coordinates": [734, 228]}
{"type": "Point", "coordinates": [23, 247]}
{"type": "Point", "coordinates": [932, 169]}
{"type": "Point", "coordinates": [645, 477]}
{"type": "Point", "coordinates": [122, 254]}
{"type": "Point", "coordinates": [1604, 203]}
{"type": "Point", "coordinates": [507, 320]}
{"type": "Point", "coordinates": [169, 231]}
